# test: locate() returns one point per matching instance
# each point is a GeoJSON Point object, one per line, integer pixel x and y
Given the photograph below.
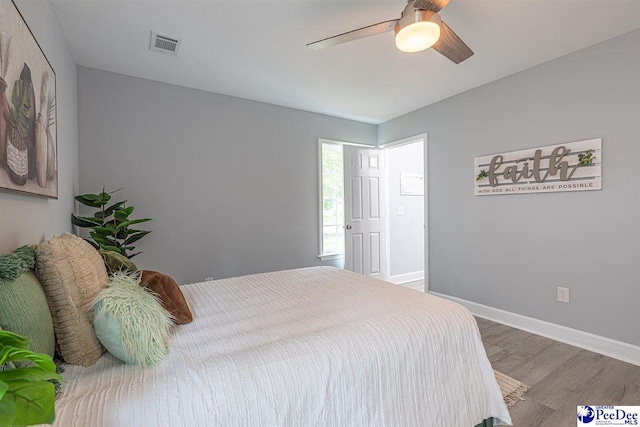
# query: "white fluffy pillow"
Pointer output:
{"type": "Point", "coordinates": [130, 321]}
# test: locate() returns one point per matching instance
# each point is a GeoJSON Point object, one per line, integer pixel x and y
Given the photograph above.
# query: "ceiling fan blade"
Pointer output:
{"type": "Point", "coordinates": [360, 33]}
{"type": "Point", "coordinates": [430, 5]}
{"type": "Point", "coordinates": [452, 46]}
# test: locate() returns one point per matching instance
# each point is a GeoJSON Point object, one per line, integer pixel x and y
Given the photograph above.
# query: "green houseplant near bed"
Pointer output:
{"type": "Point", "coordinates": [110, 225]}
{"type": "Point", "coordinates": [27, 393]}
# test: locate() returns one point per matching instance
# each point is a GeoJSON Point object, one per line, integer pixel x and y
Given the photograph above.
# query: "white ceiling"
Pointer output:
{"type": "Point", "coordinates": [256, 49]}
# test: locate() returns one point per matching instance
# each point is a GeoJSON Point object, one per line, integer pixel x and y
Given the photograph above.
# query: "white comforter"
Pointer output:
{"type": "Point", "coordinates": [307, 347]}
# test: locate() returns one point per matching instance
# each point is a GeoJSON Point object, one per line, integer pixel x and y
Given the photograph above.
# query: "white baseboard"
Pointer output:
{"type": "Point", "coordinates": [401, 279]}
{"type": "Point", "coordinates": [598, 344]}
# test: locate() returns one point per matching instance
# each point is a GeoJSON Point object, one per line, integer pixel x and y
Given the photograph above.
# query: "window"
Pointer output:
{"type": "Point", "coordinates": [332, 201]}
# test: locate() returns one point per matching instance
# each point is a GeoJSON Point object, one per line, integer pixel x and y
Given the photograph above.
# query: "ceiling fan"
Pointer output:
{"type": "Point", "coordinates": [419, 28]}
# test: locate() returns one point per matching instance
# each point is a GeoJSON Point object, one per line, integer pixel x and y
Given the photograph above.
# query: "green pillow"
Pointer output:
{"type": "Point", "coordinates": [24, 311]}
{"type": "Point", "coordinates": [117, 262]}
{"type": "Point", "coordinates": [130, 322]}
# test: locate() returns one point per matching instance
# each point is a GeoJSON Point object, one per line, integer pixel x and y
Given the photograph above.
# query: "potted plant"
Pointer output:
{"type": "Point", "coordinates": [110, 226]}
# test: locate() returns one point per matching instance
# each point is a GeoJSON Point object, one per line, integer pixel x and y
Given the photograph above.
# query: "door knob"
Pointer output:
{"type": "Point", "coordinates": [348, 227]}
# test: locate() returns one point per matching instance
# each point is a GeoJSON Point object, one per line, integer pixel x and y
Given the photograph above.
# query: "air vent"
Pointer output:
{"type": "Point", "coordinates": [164, 44]}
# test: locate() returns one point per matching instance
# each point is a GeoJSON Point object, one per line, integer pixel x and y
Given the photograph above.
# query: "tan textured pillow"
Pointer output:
{"type": "Point", "coordinates": [72, 274]}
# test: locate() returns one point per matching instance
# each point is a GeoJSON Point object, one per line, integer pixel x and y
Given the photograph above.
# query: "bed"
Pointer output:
{"type": "Point", "coordinates": [307, 347]}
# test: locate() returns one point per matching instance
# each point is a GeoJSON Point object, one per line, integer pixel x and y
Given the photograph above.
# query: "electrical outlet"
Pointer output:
{"type": "Point", "coordinates": [563, 295]}
{"type": "Point", "coordinates": [208, 279]}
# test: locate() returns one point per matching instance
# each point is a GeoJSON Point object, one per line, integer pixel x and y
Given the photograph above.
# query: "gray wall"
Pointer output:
{"type": "Point", "coordinates": [511, 252]}
{"type": "Point", "coordinates": [26, 219]}
{"type": "Point", "coordinates": [406, 232]}
{"type": "Point", "coordinates": [231, 184]}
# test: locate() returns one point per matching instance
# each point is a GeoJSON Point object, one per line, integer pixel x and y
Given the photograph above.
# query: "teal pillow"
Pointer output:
{"type": "Point", "coordinates": [109, 334]}
{"type": "Point", "coordinates": [130, 322]}
{"type": "Point", "coordinates": [24, 311]}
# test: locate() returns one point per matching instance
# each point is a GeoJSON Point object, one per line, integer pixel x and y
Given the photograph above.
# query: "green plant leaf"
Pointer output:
{"type": "Point", "coordinates": [26, 394]}
{"type": "Point", "coordinates": [7, 412]}
{"type": "Point", "coordinates": [120, 216]}
{"type": "Point", "coordinates": [123, 214]}
{"type": "Point", "coordinates": [134, 237]}
{"type": "Point", "coordinates": [85, 222]}
{"type": "Point", "coordinates": [3, 388]}
{"type": "Point", "coordinates": [103, 198]}
{"type": "Point", "coordinates": [131, 222]}
{"type": "Point", "coordinates": [12, 354]}
{"type": "Point", "coordinates": [8, 338]}
{"type": "Point", "coordinates": [132, 255]}
{"type": "Point", "coordinates": [110, 248]}
{"type": "Point", "coordinates": [16, 99]}
{"type": "Point", "coordinates": [108, 211]}
{"type": "Point", "coordinates": [28, 374]}
{"type": "Point", "coordinates": [130, 231]}
{"type": "Point", "coordinates": [21, 107]}
{"type": "Point", "coordinates": [100, 239]}
{"type": "Point", "coordinates": [87, 202]}
{"type": "Point", "coordinates": [104, 231]}
{"type": "Point", "coordinates": [34, 402]}
{"type": "Point", "coordinates": [89, 196]}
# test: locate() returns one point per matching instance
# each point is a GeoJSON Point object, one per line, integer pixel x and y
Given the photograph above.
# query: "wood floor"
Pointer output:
{"type": "Point", "coordinates": [560, 376]}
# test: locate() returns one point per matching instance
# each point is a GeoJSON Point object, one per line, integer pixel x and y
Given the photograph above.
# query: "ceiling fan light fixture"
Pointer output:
{"type": "Point", "coordinates": [418, 31]}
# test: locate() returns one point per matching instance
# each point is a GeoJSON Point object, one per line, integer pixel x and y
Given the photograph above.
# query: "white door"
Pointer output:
{"type": "Point", "coordinates": [364, 214]}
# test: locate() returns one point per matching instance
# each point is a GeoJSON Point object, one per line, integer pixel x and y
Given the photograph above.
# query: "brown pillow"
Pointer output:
{"type": "Point", "coordinates": [169, 293]}
{"type": "Point", "coordinates": [72, 274]}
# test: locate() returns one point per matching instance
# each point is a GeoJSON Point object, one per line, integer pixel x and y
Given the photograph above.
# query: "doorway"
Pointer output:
{"type": "Point", "coordinates": [373, 209]}
{"type": "Point", "coordinates": [406, 203]}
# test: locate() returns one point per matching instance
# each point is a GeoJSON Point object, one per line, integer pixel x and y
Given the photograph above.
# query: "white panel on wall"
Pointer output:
{"type": "Point", "coordinates": [411, 184]}
{"type": "Point", "coordinates": [575, 166]}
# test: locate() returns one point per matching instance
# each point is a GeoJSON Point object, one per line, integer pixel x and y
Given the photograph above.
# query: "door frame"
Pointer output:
{"type": "Point", "coordinates": [393, 144]}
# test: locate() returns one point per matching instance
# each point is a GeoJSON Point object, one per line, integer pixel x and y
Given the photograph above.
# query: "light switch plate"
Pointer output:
{"type": "Point", "coordinates": [400, 210]}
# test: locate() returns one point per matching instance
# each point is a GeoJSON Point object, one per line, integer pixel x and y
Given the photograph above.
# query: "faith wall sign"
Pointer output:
{"type": "Point", "coordinates": [575, 166]}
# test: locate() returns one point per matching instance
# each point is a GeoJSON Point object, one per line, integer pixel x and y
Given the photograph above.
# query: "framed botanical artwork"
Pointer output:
{"type": "Point", "coordinates": [28, 125]}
